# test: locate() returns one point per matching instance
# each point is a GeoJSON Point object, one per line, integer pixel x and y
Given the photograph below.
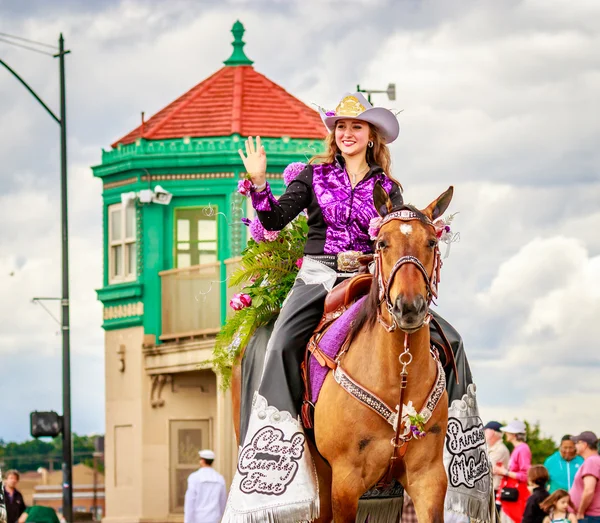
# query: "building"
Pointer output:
{"type": "Point", "coordinates": [45, 488]}
{"type": "Point", "coordinates": [172, 232]}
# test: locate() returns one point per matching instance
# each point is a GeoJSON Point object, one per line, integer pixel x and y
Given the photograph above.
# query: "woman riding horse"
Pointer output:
{"type": "Point", "coordinates": [336, 189]}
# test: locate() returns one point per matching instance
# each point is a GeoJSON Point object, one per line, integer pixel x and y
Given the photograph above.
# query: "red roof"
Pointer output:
{"type": "Point", "coordinates": [233, 100]}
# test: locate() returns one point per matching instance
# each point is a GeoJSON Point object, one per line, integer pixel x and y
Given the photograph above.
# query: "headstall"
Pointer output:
{"type": "Point", "coordinates": [431, 281]}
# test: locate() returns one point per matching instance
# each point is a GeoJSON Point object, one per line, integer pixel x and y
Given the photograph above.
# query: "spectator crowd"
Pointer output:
{"type": "Point", "coordinates": [565, 489]}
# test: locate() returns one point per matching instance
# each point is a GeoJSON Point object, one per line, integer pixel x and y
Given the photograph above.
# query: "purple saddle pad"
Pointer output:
{"type": "Point", "coordinates": [330, 344]}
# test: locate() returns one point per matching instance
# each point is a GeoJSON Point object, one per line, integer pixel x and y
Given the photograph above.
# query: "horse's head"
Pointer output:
{"type": "Point", "coordinates": [407, 260]}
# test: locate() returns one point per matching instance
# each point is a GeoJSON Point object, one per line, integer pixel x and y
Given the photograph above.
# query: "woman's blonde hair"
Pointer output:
{"type": "Point", "coordinates": [379, 154]}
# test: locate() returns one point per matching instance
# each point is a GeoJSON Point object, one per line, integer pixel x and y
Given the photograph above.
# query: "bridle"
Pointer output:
{"type": "Point", "coordinates": [431, 280]}
{"type": "Point", "coordinates": [401, 438]}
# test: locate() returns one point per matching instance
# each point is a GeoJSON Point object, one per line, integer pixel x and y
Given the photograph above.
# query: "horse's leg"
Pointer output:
{"type": "Point", "coordinates": [428, 491]}
{"type": "Point", "coordinates": [324, 478]}
{"type": "Point", "coordinates": [347, 488]}
{"type": "Point", "coordinates": [236, 398]}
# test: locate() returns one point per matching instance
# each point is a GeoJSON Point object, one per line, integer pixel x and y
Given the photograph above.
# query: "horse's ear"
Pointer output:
{"type": "Point", "coordinates": [439, 206]}
{"type": "Point", "coordinates": [381, 199]}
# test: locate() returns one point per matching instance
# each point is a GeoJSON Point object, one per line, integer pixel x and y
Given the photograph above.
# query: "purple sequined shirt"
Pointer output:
{"type": "Point", "coordinates": [338, 215]}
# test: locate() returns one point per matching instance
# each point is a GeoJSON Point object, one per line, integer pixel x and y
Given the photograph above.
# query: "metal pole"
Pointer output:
{"type": "Point", "coordinates": [67, 465]}
{"type": "Point", "coordinates": [94, 509]}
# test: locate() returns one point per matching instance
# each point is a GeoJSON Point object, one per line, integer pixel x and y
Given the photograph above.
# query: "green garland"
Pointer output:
{"type": "Point", "coordinates": [267, 272]}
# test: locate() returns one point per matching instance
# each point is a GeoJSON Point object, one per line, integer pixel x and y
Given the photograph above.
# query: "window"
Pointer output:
{"type": "Point", "coordinates": [186, 439]}
{"type": "Point", "coordinates": [122, 247]}
{"type": "Point", "coordinates": [195, 236]}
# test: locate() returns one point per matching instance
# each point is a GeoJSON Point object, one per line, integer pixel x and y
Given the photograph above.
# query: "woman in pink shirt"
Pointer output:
{"type": "Point", "coordinates": [515, 477]}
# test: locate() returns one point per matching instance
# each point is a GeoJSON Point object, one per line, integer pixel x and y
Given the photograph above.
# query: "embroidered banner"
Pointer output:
{"type": "Point", "coordinates": [275, 478]}
{"type": "Point", "coordinates": [466, 461]}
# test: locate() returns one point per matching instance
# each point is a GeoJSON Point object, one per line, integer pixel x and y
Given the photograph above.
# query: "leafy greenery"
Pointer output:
{"type": "Point", "coordinates": [267, 273]}
{"type": "Point", "coordinates": [35, 453]}
{"type": "Point", "coordinates": [541, 447]}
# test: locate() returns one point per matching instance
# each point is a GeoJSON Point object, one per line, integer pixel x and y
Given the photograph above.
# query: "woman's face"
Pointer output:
{"type": "Point", "coordinates": [352, 136]}
{"type": "Point", "coordinates": [562, 504]}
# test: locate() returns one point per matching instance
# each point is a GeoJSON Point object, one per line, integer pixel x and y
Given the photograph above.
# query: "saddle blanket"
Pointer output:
{"type": "Point", "coordinates": [330, 344]}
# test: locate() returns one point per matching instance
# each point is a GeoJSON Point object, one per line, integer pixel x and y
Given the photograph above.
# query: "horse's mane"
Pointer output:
{"type": "Point", "coordinates": [367, 315]}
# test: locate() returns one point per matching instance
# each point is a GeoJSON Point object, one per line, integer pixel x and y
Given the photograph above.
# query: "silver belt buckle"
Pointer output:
{"type": "Point", "coordinates": [347, 261]}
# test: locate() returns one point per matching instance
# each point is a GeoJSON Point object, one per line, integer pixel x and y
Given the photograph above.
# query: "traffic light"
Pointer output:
{"type": "Point", "coordinates": [45, 424]}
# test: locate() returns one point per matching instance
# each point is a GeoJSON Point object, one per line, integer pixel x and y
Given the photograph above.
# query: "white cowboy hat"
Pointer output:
{"type": "Point", "coordinates": [515, 427]}
{"type": "Point", "coordinates": [357, 107]}
{"type": "Point", "coordinates": [206, 454]}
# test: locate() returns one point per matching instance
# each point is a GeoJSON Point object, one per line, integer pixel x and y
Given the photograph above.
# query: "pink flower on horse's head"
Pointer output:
{"type": "Point", "coordinates": [271, 236]}
{"type": "Point", "coordinates": [374, 226]}
{"type": "Point", "coordinates": [299, 263]}
{"type": "Point", "coordinates": [245, 186]}
{"type": "Point", "coordinates": [291, 171]}
{"type": "Point", "coordinates": [240, 301]}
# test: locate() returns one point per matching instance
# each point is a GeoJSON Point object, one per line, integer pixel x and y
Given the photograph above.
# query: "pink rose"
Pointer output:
{"type": "Point", "coordinates": [299, 263]}
{"type": "Point", "coordinates": [240, 301]}
{"type": "Point", "coordinates": [245, 187]}
{"type": "Point", "coordinates": [374, 226]}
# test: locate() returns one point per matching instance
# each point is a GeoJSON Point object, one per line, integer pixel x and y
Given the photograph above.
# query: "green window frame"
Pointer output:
{"type": "Point", "coordinates": [196, 236]}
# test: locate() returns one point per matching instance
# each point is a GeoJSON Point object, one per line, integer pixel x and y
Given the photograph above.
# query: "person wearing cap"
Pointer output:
{"type": "Point", "coordinates": [515, 475]}
{"type": "Point", "coordinates": [498, 453]}
{"type": "Point", "coordinates": [205, 497]}
{"type": "Point", "coordinates": [563, 465]}
{"type": "Point", "coordinates": [336, 190]}
{"type": "Point", "coordinates": [585, 492]}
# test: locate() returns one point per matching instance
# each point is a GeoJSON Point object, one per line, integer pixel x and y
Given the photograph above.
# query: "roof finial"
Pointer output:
{"type": "Point", "coordinates": [238, 57]}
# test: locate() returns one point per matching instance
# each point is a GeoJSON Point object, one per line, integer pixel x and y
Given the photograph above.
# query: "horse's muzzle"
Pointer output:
{"type": "Point", "coordinates": [410, 315]}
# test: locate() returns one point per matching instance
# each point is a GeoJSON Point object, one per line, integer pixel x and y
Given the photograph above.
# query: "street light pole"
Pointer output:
{"type": "Point", "coordinates": [67, 466]}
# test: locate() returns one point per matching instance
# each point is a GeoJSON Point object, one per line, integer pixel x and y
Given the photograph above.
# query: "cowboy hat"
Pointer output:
{"type": "Point", "coordinates": [357, 107]}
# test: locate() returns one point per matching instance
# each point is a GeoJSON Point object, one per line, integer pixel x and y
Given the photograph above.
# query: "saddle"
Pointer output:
{"type": "Point", "coordinates": [337, 302]}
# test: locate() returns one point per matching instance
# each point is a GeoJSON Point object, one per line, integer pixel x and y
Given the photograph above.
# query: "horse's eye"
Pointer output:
{"type": "Point", "coordinates": [381, 244]}
{"type": "Point", "coordinates": [432, 243]}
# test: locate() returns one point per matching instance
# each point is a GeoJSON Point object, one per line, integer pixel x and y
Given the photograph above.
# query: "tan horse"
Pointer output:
{"type": "Point", "coordinates": [390, 336]}
{"type": "Point", "coordinates": [354, 439]}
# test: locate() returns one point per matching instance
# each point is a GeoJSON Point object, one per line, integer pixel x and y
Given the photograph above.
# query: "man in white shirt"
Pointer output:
{"type": "Point", "coordinates": [205, 497]}
{"type": "Point", "coordinates": [497, 451]}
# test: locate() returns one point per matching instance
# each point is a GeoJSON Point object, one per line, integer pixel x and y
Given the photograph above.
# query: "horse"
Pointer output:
{"type": "Point", "coordinates": [361, 439]}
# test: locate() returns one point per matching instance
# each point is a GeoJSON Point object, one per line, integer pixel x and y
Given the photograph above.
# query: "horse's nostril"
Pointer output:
{"type": "Point", "coordinates": [410, 308]}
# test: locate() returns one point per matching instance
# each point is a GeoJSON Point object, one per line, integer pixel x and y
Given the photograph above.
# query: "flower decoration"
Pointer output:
{"type": "Point", "coordinates": [374, 226]}
{"type": "Point", "coordinates": [444, 232]}
{"type": "Point", "coordinates": [271, 236]}
{"type": "Point", "coordinates": [245, 186]}
{"type": "Point", "coordinates": [262, 280]}
{"type": "Point", "coordinates": [240, 301]}
{"type": "Point", "coordinates": [413, 421]}
{"type": "Point", "coordinates": [257, 231]}
{"type": "Point", "coordinates": [329, 113]}
{"type": "Point", "coordinates": [291, 171]}
{"type": "Point", "coordinates": [299, 262]}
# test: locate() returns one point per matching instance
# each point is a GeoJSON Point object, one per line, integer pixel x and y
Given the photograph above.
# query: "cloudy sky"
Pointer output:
{"type": "Point", "coordinates": [500, 99]}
